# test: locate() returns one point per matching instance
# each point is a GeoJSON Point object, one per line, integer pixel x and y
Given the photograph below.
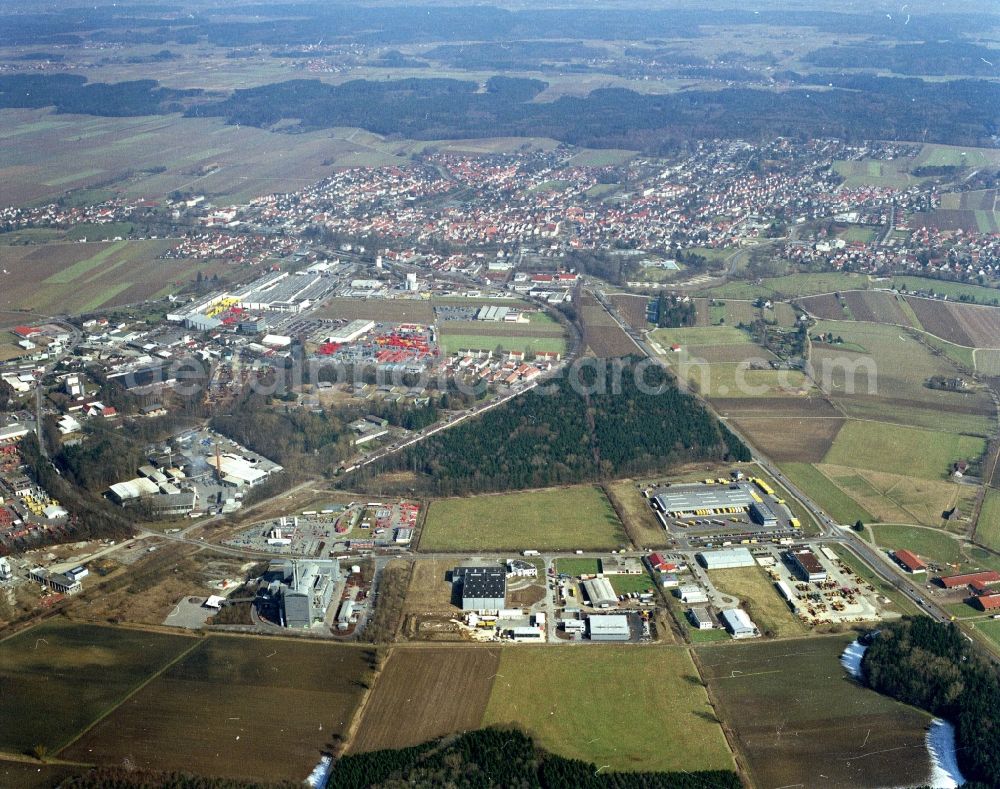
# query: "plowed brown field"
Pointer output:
{"type": "Point", "coordinates": [964, 324]}
{"type": "Point", "coordinates": [423, 693]}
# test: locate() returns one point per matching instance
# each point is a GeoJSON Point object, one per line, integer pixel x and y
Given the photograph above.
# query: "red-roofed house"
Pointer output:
{"type": "Point", "coordinates": [26, 331]}
{"type": "Point", "coordinates": [909, 561]}
{"type": "Point", "coordinates": [990, 602]}
{"type": "Point", "coordinates": [968, 579]}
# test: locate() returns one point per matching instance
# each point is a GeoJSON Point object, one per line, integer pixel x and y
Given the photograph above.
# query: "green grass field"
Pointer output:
{"type": "Point", "coordinates": [796, 716]}
{"type": "Point", "coordinates": [601, 157]}
{"type": "Point", "coordinates": [988, 528]}
{"type": "Point", "coordinates": [935, 155]}
{"type": "Point", "coordinates": [959, 354]}
{"type": "Point", "coordinates": [702, 335]}
{"type": "Point", "coordinates": [625, 584]}
{"type": "Point", "coordinates": [58, 678]}
{"type": "Point", "coordinates": [571, 518]}
{"type": "Point", "coordinates": [453, 343]}
{"type": "Point", "coordinates": [859, 233]}
{"type": "Point", "coordinates": [954, 290]}
{"type": "Point", "coordinates": [737, 379]}
{"type": "Point", "coordinates": [891, 498]}
{"type": "Point", "coordinates": [578, 567]}
{"type": "Point", "coordinates": [929, 544]}
{"type": "Point", "coordinates": [991, 629]}
{"type": "Point", "coordinates": [661, 718]}
{"type": "Point", "coordinates": [791, 285]}
{"type": "Point", "coordinates": [707, 636]}
{"type": "Point", "coordinates": [906, 451]}
{"type": "Point", "coordinates": [873, 172]}
{"type": "Point", "coordinates": [987, 361]}
{"type": "Point", "coordinates": [817, 486]}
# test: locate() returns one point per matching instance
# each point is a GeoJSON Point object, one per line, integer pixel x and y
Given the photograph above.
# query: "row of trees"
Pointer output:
{"type": "Point", "coordinates": [931, 665]}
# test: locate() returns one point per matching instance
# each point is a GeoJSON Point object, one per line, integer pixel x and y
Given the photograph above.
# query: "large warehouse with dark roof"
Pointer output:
{"type": "Point", "coordinates": [483, 588]}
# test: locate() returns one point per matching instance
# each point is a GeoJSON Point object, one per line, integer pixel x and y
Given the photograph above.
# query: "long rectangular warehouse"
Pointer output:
{"type": "Point", "coordinates": [726, 559]}
{"type": "Point", "coordinates": [600, 592]}
{"type": "Point", "coordinates": [609, 627]}
{"type": "Point", "coordinates": [680, 501]}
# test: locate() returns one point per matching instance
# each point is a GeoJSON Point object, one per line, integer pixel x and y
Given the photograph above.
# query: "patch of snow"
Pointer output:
{"type": "Point", "coordinates": [851, 658]}
{"type": "Point", "coordinates": [944, 760]}
{"type": "Point", "coordinates": [320, 775]}
{"type": "Point", "coordinates": [940, 738]}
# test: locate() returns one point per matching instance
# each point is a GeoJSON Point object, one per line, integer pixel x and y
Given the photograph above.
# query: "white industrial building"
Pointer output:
{"type": "Point", "coordinates": [609, 627]}
{"type": "Point", "coordinates": [739, 624]}
{"type": "Point", "coordinates": [492, 313]}
{"type": "Point", "coordinates": [237, 471]}
{"type": "Point", "coordinates": [305, 590]}
{"type": "Point", "coordinates": [763, 515]}
{"type": "Point", "coordinates": [521, 569]}
{"type": "Point", "coordinates": [600, 592]}
{"type": "Point", "coordinates": [680, 501]}
{"type": "Point", "coordinates": [726, 559]}
{"type": "Point", "coordinates": [621, 565]}
{"type": "Point", "coordinates": [700, 618]}
{"type": "Point", "coordinates": [691, 593]}
{"type": "Point", "coordinates": [13, 432]}
{"type": "Point", "coordinates": [55, 582]}
{"type": "Point", "coordinates": [131, 490]}
{"type": "Point", "coordinates": [351, 332]}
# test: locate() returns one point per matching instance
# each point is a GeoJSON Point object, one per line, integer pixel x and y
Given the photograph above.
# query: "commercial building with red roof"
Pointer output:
{"type": "Point", "coordinates": [990, 602]}
{"type": "Point", "coordinates": [909, 561]}
{"type": "Point", "coordinates": [968, 579]}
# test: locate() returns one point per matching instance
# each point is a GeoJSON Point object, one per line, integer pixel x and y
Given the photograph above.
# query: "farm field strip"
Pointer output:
{"type": "Point", "coordinates": [795, 714]}
{"type": "Point", "coordinates": [970, 325]}
{"type": "Point", "coordinates": [381, 310]}
{"type": "Point", "coordinates": [893, 498]}
{"type": "Point", "coordinates": [906, 451]}
{"type": "Point", "coordinates": [698, 335]}
{"type": "Point", "coordinates": [822, 490]}
{"type": "Point", "coordinates": [231, 686]}
{"type": "Point", "coordinates": [988, 528]}
{"type": "Point", "coordinates": [791, 438]}
{"type": "Point", "coordinates": [552, 692]}
{"type": "Point", "coordinates": [515, 330]}
{"type": "Point", "coordinates": [424, 693]}
{"type": "Point", "coordinates": [556, 518]}
{"type": "Point", "coordinates": [57, 679]}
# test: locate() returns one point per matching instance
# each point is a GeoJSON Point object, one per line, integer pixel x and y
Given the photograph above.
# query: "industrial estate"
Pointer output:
{"type": "Point", "coordinates": [499, 396]}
